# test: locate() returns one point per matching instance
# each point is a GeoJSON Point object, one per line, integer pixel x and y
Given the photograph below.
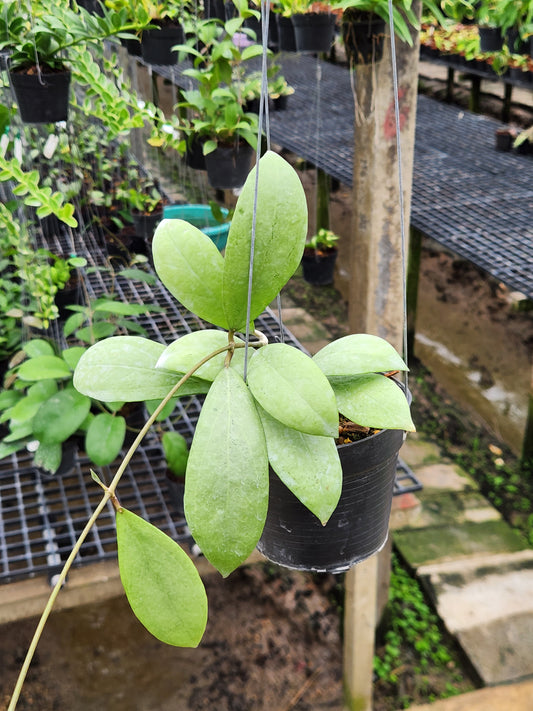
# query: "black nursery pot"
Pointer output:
{"type": "Point", "coordinates": [145, 224]}
{"type": "Point", "coordinates": [318, 269]}
{"type": "Point", "coordinates": [156, 45]}
{"type": "Point", "coordinates": [358, 528]}
{"type": "Point", "coordinates": [490, 39]}
{"type": "Point", "coordinates": [313, 31]}
{"type": "Point", "coordinates": [286, 38]}
{"type": "Point", "coordinates": [228, 166]}
{"type": "Point", "coordinates": [363, 34]}
{"type": "Point", "coordinates": [44, 98]}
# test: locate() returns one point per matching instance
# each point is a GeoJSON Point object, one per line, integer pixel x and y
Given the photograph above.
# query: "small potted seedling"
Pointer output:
{"type": "Point", "coordinates": [319, 257]}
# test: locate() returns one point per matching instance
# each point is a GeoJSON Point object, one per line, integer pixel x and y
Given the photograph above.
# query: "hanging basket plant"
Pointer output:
{"type": "Point", "coordinates": [313, 31]}
{"type": "Point", "coordinates": [42, 94]}
{"type": "Point", "coordinates": [157, 43]}
{"type": "Point", "coordinates": [228, 165]}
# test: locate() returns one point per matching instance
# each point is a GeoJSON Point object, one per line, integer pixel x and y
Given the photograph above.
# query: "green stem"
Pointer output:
{"type": "Point", "coordinates": [109, 492]}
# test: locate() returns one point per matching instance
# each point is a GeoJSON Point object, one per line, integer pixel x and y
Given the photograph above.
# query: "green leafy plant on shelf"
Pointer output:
{"type": "Point", "coordinates": [323, 241]}
{"type": "Point", "coordinates": [265, 402]}
{"type": "Point", "coordinates": [42, 409]}
{"type": "Point", "coordinates": [216, 113]}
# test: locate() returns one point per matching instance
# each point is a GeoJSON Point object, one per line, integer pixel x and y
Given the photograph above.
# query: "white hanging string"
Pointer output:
{"type": "Point", "coordinates": [400, 179]}
{"type": "Point", "coordinates": [263, 111]}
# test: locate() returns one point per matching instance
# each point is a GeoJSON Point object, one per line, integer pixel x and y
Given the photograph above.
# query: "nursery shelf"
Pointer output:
{"type": "Point", "coordinates": [466, 195]}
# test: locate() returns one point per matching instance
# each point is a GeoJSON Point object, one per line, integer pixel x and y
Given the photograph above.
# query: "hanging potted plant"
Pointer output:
{"type": "Point", "coordinates": [265, 402]}
{"type": "Point", "coordinates": [366, 22]}
{"type": "Point", "coordinates": [319, 257]}
{"type": "Point", "coordinates": [38, 42]}
{"type": "Point", "coordinates": [313, 24]}
{"type": "Point", "coordinates": [164, 30]}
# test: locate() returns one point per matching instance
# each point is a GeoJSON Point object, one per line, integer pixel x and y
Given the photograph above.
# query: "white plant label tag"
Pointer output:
{"type": "Point", "coordinates": [50, 145]}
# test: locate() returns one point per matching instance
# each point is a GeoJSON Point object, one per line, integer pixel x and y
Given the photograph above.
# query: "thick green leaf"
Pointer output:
{"type": "Point", "coordinates": [372, 400]}
{"type": "Point", "coordinates": [7, 448]}
{"type": "Point", "coordinates": [291, 388]}
{"type": "Point", "coordinates": [308, 465]}
{"type": "Point", "coordinates": [191, 267]}
{"type": "Point", "coordinates": [281, 229]}
{"type": "Point", "coordinates": [176, 452]}
{"type": "Point", "coordinates": [95, 332]}
{"type": "Point", "coordinates": [44, 367]}
{"type": "Point", "coordinates": [26, 408]}
{"type": "Point", "coordinates": [73, 355]}
{"type": "Point", "coordinates": [60, 416]}
{"type": "Point", "coordinates": [125, 309]}
{"type": "Point", "coordinates": [161, 582]}
{"type": "Point", "coordinates": [48, 456]}
{"type": "Point", "coordinates": [357, 354]}
{"type": "Point", "coordinates": [38, 347]}
{"type": "Point", "coordinates": [226, 486]}
{"type": "Point", "coordinates": [187, 351]}
{"type": "Point", "coordinates": [123, 368]}
{"type": "Point", "coordinates": [104, 438]}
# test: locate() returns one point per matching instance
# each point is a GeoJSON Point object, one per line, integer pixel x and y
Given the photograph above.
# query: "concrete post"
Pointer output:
{"type": "Point", "coordinates": [375, 296]}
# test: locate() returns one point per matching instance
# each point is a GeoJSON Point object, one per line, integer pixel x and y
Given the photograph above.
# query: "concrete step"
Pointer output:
{"type": "Point", "coordinates": [513, 697]}
{"type": "Point", "coordinates": [475, 567]}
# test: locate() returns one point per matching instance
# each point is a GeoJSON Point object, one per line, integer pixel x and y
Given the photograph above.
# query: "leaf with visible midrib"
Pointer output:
{"type": "Point", "coordinates": [161, 582]}
{"type": "Point", "coordinates": [281, 229]}
{"type": "Point", "coordinates": [226, 483]}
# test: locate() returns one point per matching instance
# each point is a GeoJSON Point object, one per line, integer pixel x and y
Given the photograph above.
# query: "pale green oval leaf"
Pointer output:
{"type": "Point", "coordinates": [123, 368]}
{"type": "Point", "coordinates": [26, 408]}
{"type": "Point", "coordinates": [291, 388]}
{"type": "Point", "coordinates": [104, 438]}
{"type": "Point", "coordinates": [187, 351]}
{"type": "Point", "coordinates": [308, 465]}
{"type": "Point", "coordinates": [176, 452]}
{"type": "Point", "coordinates": [44, 367]}
{"type": "Point", "coordinates": [161, 582]}
{"type": "Point", "coordinates": [190, 266]}
{"type": "Point", "coordinates": [72, 355]}
{"type": "Point", "coordinates": [60, 416]}
{"type": "Point", "coordinates": [372, 400]}
{"type": "Point", "coordinates": [38, 347]}
{"type": "Point", "coordinates": [357, 354]}
{"type": "Point", "coordinates": [226, 485]}
{"type": "Point", "coordinates": [281, 229]}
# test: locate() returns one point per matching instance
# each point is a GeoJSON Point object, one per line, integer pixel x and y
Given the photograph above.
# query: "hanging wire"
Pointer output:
{"type": "Point", "coordinates": [263, 111]}
{"type": "Point", "coordinates": [400, 181]}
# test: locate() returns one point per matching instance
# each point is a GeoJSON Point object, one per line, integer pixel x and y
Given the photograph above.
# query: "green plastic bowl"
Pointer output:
{"type": "Point", "coordinates": [201, 216]}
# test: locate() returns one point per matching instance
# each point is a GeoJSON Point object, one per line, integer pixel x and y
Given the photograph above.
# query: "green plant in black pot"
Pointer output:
{"type": "Point", "coordinates": [39, 35]}
{"type": "Point", "coordinates": [284, 408]}
{"type": "Point", "coordinates": [319, 257]}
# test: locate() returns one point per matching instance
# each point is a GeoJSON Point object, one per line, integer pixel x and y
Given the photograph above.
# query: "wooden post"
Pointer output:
{"type": "Point", "coordinates": [450, 84]}
{"type": "Point", "coordinates": [360, 614]}
{"type": "Point", "coordinates": [475, 95]}
{"type": "Point", "coordinates": [413, 274]}
{"type": "Point", "coordinates": [507, 100]}
{"type": "Point", "coordinates": [375, 293]}
{"type": "Point", "coordinates": [527, 445]}
{"type": "Point", "coordinates": [322, 200]}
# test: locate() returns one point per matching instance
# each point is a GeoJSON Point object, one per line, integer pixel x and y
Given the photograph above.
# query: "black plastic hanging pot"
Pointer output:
{"type": "Point", "coordinates": [363, 34]}
{"type": "Point", "coordinates": [358, 528]}
{"type": "Point", "coordinates": [42, 98]}
{"type": "Point", "coordinates": [145, 224]}
{"type": "Point", "coordinates": [286, 38]}
{"type": "Point", "coordinates": [228, 166]}
{"type": "Point", "coordinates": [318, 269]}
{"type": "Point", "coordinates": [313, 31]}
{"type": "Point", "coordinates": [156, 45]}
